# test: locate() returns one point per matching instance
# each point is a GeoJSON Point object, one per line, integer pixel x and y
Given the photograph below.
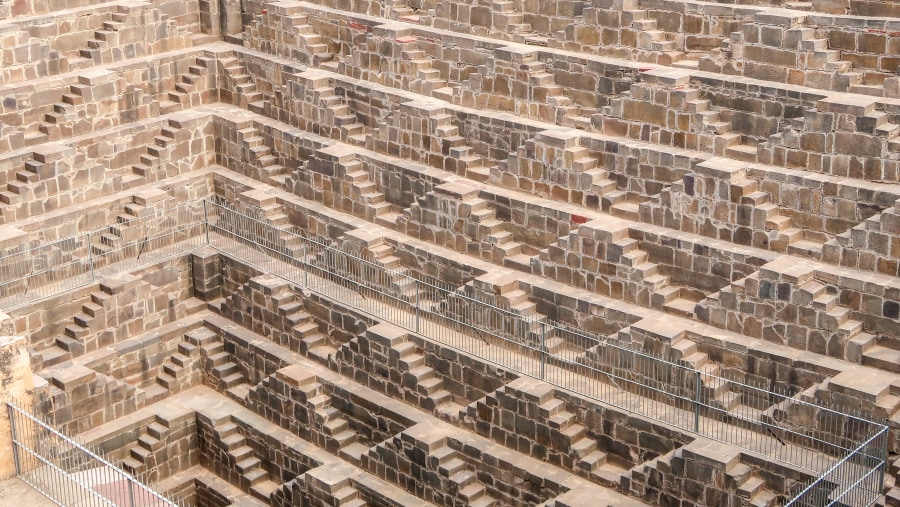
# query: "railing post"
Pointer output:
{"type": "Point", "coordinates": [206, 221]}
{"type": "Point", "coordinates": [305, 264]}
{"type": "Point", "coordinates": [417, 306]}
{"type": "Point", "coordinates": [15, 438]}
{"type": "Point", "coordinates": [543, 348]}
{"type": "Point", "coordinates": [90, 256]}
{"type": "Point", "coordinates": [131, 491]}
{"type": "Point", "coordinates": [697, 404]}
{"type": "Point", "coordinates": [883, 458]}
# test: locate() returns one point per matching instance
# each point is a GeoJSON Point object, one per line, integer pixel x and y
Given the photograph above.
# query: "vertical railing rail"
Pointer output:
{"type": "Point", "coordinates": [697, 401]}
{"type": "Point", "coordinates": [206, 220]}
{"type": "Point", "coordinates": [90, 257]}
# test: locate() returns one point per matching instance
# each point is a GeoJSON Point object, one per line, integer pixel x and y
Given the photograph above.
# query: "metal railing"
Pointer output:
{"type": "Point", "coordinates": [858, 479]}
{"type": "Point", "coordinates": [69, 473]}
{"type": "Point", "coordinates": [60, 266]}
{"type": "Point", "coordinates": [848, 452]}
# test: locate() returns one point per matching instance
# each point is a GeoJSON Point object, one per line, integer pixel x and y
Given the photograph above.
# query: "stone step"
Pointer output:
{"type": "Point", "coordinates": [592, 461]}
{"type": "Point", "coordinates": [882, 357]}
{"type": "Point", "coordinates": [263, 489]}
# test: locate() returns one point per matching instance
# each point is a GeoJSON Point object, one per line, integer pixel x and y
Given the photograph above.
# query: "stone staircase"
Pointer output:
{"type": "Point", "coordinates": [330, 484]}
{"type": "Point", "coordinates": [752, 209]}
{"type": "Point", "coordinates": [57, 124]}
{"type": "Point", "coordinates": [461, 158]}
{"type": "Point", "coordinates": [545, 90]}
{"type": "Point", "coordinates": [573, 174]}
{"type": "Point", "coordinates": [844, 249]}
{"type": "Point", "coordinates": [567, 441]}
{"type": "Point", "coordinates": [623, 204]}
{"type": "Point", "coordinates": [717, 124]}
{"type": "Point", "coordinates": [633, 265]}
{"type": "Point", "coordinates": [140, 458]}
{"type": "Point", "coordinates": [241, 456]}
{"type": "Point", "coordinates": [426, 79]}
{"type": "Point", "coordinates": [739, 479]}
{"type": "Point", "coordinates": [31, 182]}
{"type": "Point", "coordinates": [79, 337]}
{"type": "Point", "coordinates": [332, 430]}
{"type": "Point", "coordinates": [787, 238]}
{"type": "Point", "coordinates": [265, 208]}
{"type": "Point", "coordinates": [480, 232]}
{"type": "Point", "coordinates": [399, 10]}
{"type": "Point", "coordinates": [831, 69]}
{"type": "Point", "coordinates": [185, 84]}
{"type": "Point", "coordinates": [502, 291]}
{"type": "Point", "coordinates": [222, 372]}
{"type": "Point", "coordinates": [454, 477]}
{"type": "Point", "coordinates": [262, 159]}
{"type": "Point", "coordinates": [398, 276]}
{"type": "Point", "coordinates": [715, 390]}
{"type": "Point", "coordinates": [363, 189]}
{"type": "Point", "coordinates": [876, 350]}
{"type": "Point", "coordinates": [659, 46]}
{"type": "Point", "coordinates": [245, 94]}
{"type": "Point", "coordinates": [418, 384]}
{"type": "Point", "coordinates": [177, 373]}
{"type": "Point", "coordinates": [506, 17]}
{"type": "Point", "coordinates": [281, 318]}
{"type": "Point", "coordinates": [315, 48]}
{"type": "Point", "coordinates": [153, 163]}
{"type": "Point", "coordinates": [351, 176]}
{"type": "Point", "coordinates": [339, 116]}
{"type": "Point", "coordinates": [128, 227]}
{"type": "Point", "coordinates": [416, 374]}
{"type": "Point", "coordinates": [98, 49]}
{"type": "Point", "coordinates": [464, 483]}
{"type": "Point", "coordinates": [833, 318]}
{"type": "Point", "coordinates": [582, 449]}
{"type": "Point", "coordinates": [286, 31]}
{"type": "Point", "coordinates": [313, 343]}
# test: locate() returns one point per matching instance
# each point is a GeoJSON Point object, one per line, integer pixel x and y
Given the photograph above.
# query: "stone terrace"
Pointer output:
{"type": "Point", "coordinates": [712, 183]}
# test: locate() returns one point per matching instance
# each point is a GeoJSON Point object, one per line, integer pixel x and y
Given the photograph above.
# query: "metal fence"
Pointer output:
{"type": "Point", "coordinates": [858, 479]}
{"type": "Point", "coordinates": [60, 266]}
{"type": "Point", "coordinates": [845, 454]}
{"type": "Point", "coordinates": [69, 473]}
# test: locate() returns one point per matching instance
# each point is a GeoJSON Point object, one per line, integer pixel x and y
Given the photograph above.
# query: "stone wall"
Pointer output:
{"type": "Point", "coordinates": [96, 35]}
{"type": "Point", "coordinates": [275, 459]}
{"type": "Point", "coordinates": [89, 101]}
{"type": "Point", "coordinates": [821, 310]}
{"type": "Point", "coordinates": [708, 473]}
{"type": "Point", "coordinates": [125, 305]}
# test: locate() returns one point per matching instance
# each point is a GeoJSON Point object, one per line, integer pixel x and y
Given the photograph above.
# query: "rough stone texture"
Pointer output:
{"type": "Point", "coordinates": [17, 385]}
{"type": "Point", "coordinates": [713, 184]}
